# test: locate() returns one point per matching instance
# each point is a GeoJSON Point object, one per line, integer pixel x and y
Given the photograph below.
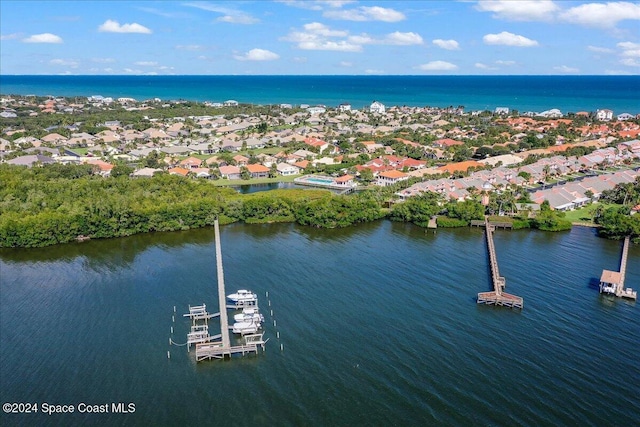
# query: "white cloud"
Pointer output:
{"type": "Point", "coordinates": [65, 62]}
{"type": "Point", "coordinates": [43, 38]}
{"type": "Point", "coordinates": [397, 39]}
{"type": "Point", "coordinates": [630, 62]}
{"type": "Point", "coordinates": [323, 30]}
{"type": "Point", "coordinates": [335, 3]}
{"type": "Point", "coordinates": [519, 10]}
{"type": "Point", "coordinates": [302, 4]}
{"type": "Point", "coordinates": [103, 60]}
{"type": "Point", "coordinates": [340, 46]}
{"type": "Point", "coordinates": [364, 13]}
{"type": "Point", "coordinates": [505, 63]}
{"type": "Point", "coordinates": [597, 49]}
{"type": "Point", "coordinates": [602, 15]}
{"type": "Point", "coordinates": [111, 26]}
{"type": "Point", "coordinates": [446, 44]}
{"type": "Point", "coordinates": [346, 64]}
{"type": "Point", "coordinates": [618, 72]}
{"type": "Point", "coordinates": [10, 36]}
{"type": "Point", "coordinates": [257, 55]}
{"type": "Point", "coordinates": [403, 39]}
{"type": "Point", "coordinates": [630, 51]}
{"type": "Point", "coordinates": [362, 39]}
{"type": "Point", "coordinates": [438, 66]}
{"type": "Point", "coordinates": [240, 18]}
{"type": "Point", "coordinates": [373, 71]}
{"type": "Point", "coordinates": [509, 39]}
{"type": "Point", "coordinates": [146, 63]}
{"type": "Point", "coordinates": [232, 16]}
{"type": "Point", "coordinates": [628, 45]}
{"type": "Point", "coordinates": [316, 37]}
{"type": "Point", "coordinates": [482, 66]}
{"type": "Point", "coordinates": [566, 69]}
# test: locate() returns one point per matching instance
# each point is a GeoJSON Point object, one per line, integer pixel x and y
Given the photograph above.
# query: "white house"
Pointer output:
{"type": "Point", "coordinates": [286, 169]}
{"type": "Point", "coordinates": [502, 110]}
{"type": "Point", "coordinates": [604, 115]}
{"type": "Point", "coordinates": [625, 116]}
{"type": "Point", "coordinates": [318, 109]}
{"type": "Point", "coordinates": [554, 113]}
{"type": "Point", "coordinates": [344, 107]}
{"type": "Point", "coordinates": [390, 177]}
{"type": "Point", "coordinates": [377, 107]}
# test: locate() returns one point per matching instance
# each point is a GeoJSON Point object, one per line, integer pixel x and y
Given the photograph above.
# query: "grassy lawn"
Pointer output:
{"type": "Point", "coordinates": [584, 215]}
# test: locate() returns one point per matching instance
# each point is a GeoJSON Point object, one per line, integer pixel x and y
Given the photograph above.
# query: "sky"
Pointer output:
{"type": "Point", "coordinates": [328, 37]}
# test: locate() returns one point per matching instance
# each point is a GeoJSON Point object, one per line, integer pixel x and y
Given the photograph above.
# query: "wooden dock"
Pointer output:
{"type": "Point", "coordinates": [612, 282]}
{"type": "Point", "coordinates": [208, 349]}
{"type": "Point", "coordinates": [494, 224]}
{"type": "Point", "coordinates": [497, 296]}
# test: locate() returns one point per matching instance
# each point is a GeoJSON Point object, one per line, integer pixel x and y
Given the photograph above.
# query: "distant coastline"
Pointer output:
{"type": "Point", "coordinates": [524, 93]}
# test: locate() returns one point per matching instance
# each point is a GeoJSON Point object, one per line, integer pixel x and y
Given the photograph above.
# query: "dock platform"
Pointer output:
{"type": "Point", "coordinates": [497, 296]}
{"type": "Point", "coordinates": [612, 282]}
{"type": "Point", "coordinates": [219, 346]}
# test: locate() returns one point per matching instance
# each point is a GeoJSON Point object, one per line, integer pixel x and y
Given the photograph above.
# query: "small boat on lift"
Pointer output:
{"type": "Point", "coordinates": [242, 295]}
{"type": "Point", "coordinates": [249, 315]}
{"type": "Point", "coordinates": [245, 327]}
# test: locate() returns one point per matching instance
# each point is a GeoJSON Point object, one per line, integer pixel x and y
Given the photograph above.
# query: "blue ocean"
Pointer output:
{"type": "Point", "coordinates": [522, 93]}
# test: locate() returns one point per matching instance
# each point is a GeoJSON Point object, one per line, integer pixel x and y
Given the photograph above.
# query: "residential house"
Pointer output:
{"type": "Point", "coordinates": [145, 172]}
{"type": "Point", "coordinates": [317, 143]}
{"type": "Point", "coordinates": [104, 167]}
{"type": "Point", "coordinates": [179, 171]}
{"type": "Point", "coordinates": [31, 160]}
{"type": "Point", "coordinates": [191, 163]}
{"type": "Point", "coordinates": [230, 172]}
{"type": "Point", "coordinates": [345, 181]}
{"type": "Point", "coordinates": [241, 160]}
{"type": "Point", "coordinates": [604, 115]}
{"type": "Point", "coordinates": [258, 171]}
{"type": "Point", "coordinates": [446, 143]}
{"type": "Point", "coordinates": [286, 169]}
{"type": "Point", "coordinates": [377, 107]}
{"type": "Point", "coordinates": [201, 172]}
{"type": "Point", "coordinates": [390, 177]}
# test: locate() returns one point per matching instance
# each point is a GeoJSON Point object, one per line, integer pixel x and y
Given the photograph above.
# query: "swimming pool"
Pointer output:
{"type": "Point", "coordinates": [320, 180]}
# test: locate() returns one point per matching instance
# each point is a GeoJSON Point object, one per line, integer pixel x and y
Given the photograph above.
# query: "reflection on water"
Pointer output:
{"type": "Point", "coordinates": [378, 323]}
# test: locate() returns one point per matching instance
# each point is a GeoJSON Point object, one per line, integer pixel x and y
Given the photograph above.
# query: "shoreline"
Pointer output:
{"type": "Point", "coordinates": [488, 92]}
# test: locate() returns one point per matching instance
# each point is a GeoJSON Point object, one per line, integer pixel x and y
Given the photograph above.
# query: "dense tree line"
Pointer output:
{"type": "Point", "coordinates": [616, 221]}
{"type": "Point", "coordinates": [50, 205]}
{"type": "Point", "coordinates": [55, 204]}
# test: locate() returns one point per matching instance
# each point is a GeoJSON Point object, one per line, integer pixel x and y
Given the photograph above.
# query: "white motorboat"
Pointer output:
{"type": "Point", "coordinates": [249, 317]}
{"type": "Point", "coordinates": [242, 295]}
{"type": "Point", "coordinates": [245, 328]}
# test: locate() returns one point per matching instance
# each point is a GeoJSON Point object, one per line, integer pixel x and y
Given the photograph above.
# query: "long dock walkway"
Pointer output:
{"type": "Point", "coordinates": [223, 349]}
{"type": "Point", "coordinates": [612, 282]}
{"type": "Point", "coordinates": [497, 296]}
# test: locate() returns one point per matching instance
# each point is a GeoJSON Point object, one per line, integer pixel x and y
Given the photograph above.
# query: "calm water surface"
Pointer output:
{"type": "Point", "coordinates": [378, 324]}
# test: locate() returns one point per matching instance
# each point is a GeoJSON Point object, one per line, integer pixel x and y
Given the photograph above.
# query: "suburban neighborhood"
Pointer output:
{"type": "Point", "coordinates": [565, 159]}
